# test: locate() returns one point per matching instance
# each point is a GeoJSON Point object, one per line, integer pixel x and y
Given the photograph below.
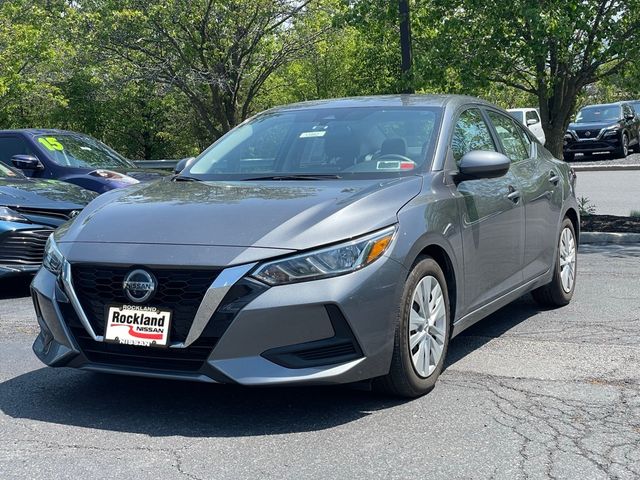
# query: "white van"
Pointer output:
{"type": "Point", "coordinates": [531, 118]}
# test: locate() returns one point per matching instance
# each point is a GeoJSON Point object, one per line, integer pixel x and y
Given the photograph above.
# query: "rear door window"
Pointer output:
{"type": "Point", "coordinates": [515, 142]}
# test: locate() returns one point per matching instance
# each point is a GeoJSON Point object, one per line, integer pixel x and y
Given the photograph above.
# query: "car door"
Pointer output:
{"type": "Point", "coordinates": [492, 218]}
{"type": "Point", "coordinates": [532, 120]}
{"type": "Point", "coordinates": [540, 184]}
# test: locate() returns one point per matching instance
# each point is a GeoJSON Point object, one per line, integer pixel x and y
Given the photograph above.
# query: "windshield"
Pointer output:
{"type": "Point", "coordinates": [518, 116]}
{"type": "Point", "coordinates": [81, 151]}
{"type": "Point", "coordinates": [600, 114]}
{"type": "Point", "coordinates": [363, 142]}
{"type": "Point", "coordinates": [8, 172]}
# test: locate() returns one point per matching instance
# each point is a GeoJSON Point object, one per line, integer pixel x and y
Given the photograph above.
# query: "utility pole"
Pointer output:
{"type": "Point", "coordinates": [405, 45]}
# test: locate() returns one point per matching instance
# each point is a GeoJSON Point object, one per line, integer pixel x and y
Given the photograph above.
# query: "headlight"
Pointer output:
{"type": "Point", "coordinates": [53, 258]}
{"type": "Point", "coordinates": [9, 215]}
{"type": "Point", "coordinates": [327, 262]}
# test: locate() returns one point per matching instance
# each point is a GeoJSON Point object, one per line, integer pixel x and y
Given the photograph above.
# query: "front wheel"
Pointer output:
{"type": "Point", "coordinates": [623, 151]}
{"type": "Point", "coordinates": [559, 291]}
{"type": "Point", "coordinates": [422, 333]}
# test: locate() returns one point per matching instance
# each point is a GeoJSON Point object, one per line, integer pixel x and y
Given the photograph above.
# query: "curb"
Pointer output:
{"type": "Point", "coordinates": [603, 168]}
{"type": "Point", "coordinates": [602, 238]}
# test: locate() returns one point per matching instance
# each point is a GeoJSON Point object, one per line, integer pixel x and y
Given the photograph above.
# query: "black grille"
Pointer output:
{"type": "Point", "coordinates": [24, 247]}
{"type": "Point", "coordinates": [190, 358]}
{"type": "Point", "coordinates": [178, 290]}
{"type": "Point", "coordinates": [330, 351]}
{"type": "Point", "coordinates": [593, 133]}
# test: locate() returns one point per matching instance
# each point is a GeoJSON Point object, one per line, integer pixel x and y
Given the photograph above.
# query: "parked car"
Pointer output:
{"type": "Point", "coordinates": [29, 211]}
{"type": "Point", "coordinates": [612, 128]}
{"type": "Point", "coordinates": [531, 118]}
{"type": "Point", "coordinates": [326, 242]}
{"type": "Point", "coordinates": [71, 157]}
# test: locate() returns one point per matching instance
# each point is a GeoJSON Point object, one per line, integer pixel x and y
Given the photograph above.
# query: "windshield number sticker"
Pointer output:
{"type": "Point", "coordinates": [51, 143]}
{"type": "Point", "coordinates": [319, 133]}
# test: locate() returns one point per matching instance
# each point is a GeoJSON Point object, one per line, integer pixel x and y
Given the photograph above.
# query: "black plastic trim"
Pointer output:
{"type": "Point", "coordinates": [342, 347]}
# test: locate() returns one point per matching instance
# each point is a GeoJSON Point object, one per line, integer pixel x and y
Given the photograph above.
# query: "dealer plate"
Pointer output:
{"type": "Point", "coordinates": [137, 325]}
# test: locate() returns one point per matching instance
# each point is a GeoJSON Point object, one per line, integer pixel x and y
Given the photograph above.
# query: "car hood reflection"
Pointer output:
{"type": "Point", "coordinates": [292, 215]}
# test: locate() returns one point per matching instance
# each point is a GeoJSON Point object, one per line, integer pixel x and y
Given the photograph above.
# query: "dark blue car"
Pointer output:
{"type": "Point", "coordinates": [71, 157]}
{"type": "Point", "coordinates": [29, 211]}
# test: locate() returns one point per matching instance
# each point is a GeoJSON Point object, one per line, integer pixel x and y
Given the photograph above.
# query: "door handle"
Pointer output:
{"type": "Point", "coordinates": [554, 177]}
{"type": "Point", "coordinates": [513, 195]}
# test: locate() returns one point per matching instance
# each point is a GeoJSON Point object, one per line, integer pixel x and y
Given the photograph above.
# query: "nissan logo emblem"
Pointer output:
{"type": "Point", "coordinates": [587, 133]}
{"type": "Point", "coordinates": [139, 286]}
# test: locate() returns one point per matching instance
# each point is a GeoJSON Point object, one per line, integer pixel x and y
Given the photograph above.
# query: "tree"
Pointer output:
{"type": "Point", "coordinates": [31, 54]}
{"type": "Point", "coordinates": [217, 53]}
{"type": "Point", "coordinates": [551, 49]}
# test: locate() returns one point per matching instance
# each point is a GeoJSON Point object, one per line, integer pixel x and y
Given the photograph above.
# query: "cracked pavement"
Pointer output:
{"type": "Point", "coordinates": [527, 394]}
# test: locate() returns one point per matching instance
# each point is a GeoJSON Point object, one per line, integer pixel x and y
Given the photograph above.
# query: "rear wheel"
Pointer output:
{"type": "Point", "coordinates": [559, 291]}
{"type": "Point", "coordinates": [422, 333]}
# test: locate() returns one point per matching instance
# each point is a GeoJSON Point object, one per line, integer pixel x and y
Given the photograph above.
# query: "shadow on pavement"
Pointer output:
{"type": "Point", "coordinates": [163, 408]}
{"type": "Point", "coordinates": [15, 287]}
{"type": "Point", "coordinates": [491, 327]}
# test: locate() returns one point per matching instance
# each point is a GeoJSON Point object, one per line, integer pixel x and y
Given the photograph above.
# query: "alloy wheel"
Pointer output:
{"type": "Point", "coordinates": [625, 145]}
{"type": "Point", "coordinates": [567, 259]}
{"type": "Point", "coordinates": [427, 326]}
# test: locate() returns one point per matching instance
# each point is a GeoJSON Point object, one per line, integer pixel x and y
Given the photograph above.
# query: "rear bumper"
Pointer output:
{"type": "Point", "coordinates": [337, 330]}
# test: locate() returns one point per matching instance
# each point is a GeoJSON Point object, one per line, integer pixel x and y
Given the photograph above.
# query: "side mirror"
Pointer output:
{"type": "Point", "coordinates": [483, 164]}
{"type": "Point", "coordinates": [182, 164]}
{"type": "Point", "coordinates": [26, 162]}
{"type": "Point", "coordinates": [630, 117]}
{"type": "Point", "coordinates": [532, 121]}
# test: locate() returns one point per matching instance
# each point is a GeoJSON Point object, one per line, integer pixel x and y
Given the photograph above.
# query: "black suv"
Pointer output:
{"type": "Point", "coordinates": [613, 128]}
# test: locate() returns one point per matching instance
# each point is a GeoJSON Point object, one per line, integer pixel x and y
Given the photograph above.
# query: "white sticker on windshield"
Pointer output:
{"type": "Point", "coordinates": [319, 133]}
{"type": "Point", "coordinates": [85, 148]}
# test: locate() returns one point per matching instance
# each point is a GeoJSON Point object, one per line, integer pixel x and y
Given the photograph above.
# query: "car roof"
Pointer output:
{"type": "Point", "coordinates": [40, 131]}
{"type": "Point", "coordinates": [405, 100]}
{"type": "Point", "coordinates": [600, 105]}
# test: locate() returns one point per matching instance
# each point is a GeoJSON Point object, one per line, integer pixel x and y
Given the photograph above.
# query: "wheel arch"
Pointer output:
{"type": "Point", "coordinates": [572, 215]}
{"type": "Point", "coordinates": [445, 262]}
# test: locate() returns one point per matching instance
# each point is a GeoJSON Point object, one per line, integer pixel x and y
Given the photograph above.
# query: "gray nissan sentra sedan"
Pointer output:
{"type": "Point", "coordinates": [318, 243]}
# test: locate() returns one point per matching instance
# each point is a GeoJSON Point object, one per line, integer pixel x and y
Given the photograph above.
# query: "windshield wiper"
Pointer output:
{"type": "Point", "coordinates": [181, 178]}
{"type": "Point", "coordinates": [296, 177]}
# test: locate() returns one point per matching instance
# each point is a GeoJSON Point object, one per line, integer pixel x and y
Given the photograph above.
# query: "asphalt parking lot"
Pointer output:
{"type": "Point", "coordinates": [610, 192]}
{"type": "Point", "coordinates": [526, 394]}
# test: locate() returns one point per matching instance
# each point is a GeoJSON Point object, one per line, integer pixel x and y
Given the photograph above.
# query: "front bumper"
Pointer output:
{"type": "Point", "coordinates": [337, 330]}
{"type": "Point", "coordinates": [600, 143]}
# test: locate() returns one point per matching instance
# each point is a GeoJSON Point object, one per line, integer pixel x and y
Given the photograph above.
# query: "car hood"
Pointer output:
{"type": "Point", "coordinates": [46, 194]}
{"type": "Point", "coordinates": [292, 215]}
{"type": "Point", "coordinates": [597, 126]}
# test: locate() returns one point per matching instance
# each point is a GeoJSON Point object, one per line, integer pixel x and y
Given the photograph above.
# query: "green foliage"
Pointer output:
{"type": "Point", "coordinates": [585, 206]}
{"type": "Point", "coordinates": [164, 78]}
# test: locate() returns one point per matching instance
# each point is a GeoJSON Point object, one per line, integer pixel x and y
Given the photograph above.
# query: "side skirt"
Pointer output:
{"type": "Point", "coordinates": [473, 317]}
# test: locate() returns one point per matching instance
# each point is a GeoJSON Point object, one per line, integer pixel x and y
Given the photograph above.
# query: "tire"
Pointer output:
{"type": "Point", "coordinates": [556, 294]}
{"type": "Point", "coordinates": [408, 378]}
{"type": "Point", "coordinates": [568, 157]}
{"type": "Point", "coordinates": [623, 151]}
